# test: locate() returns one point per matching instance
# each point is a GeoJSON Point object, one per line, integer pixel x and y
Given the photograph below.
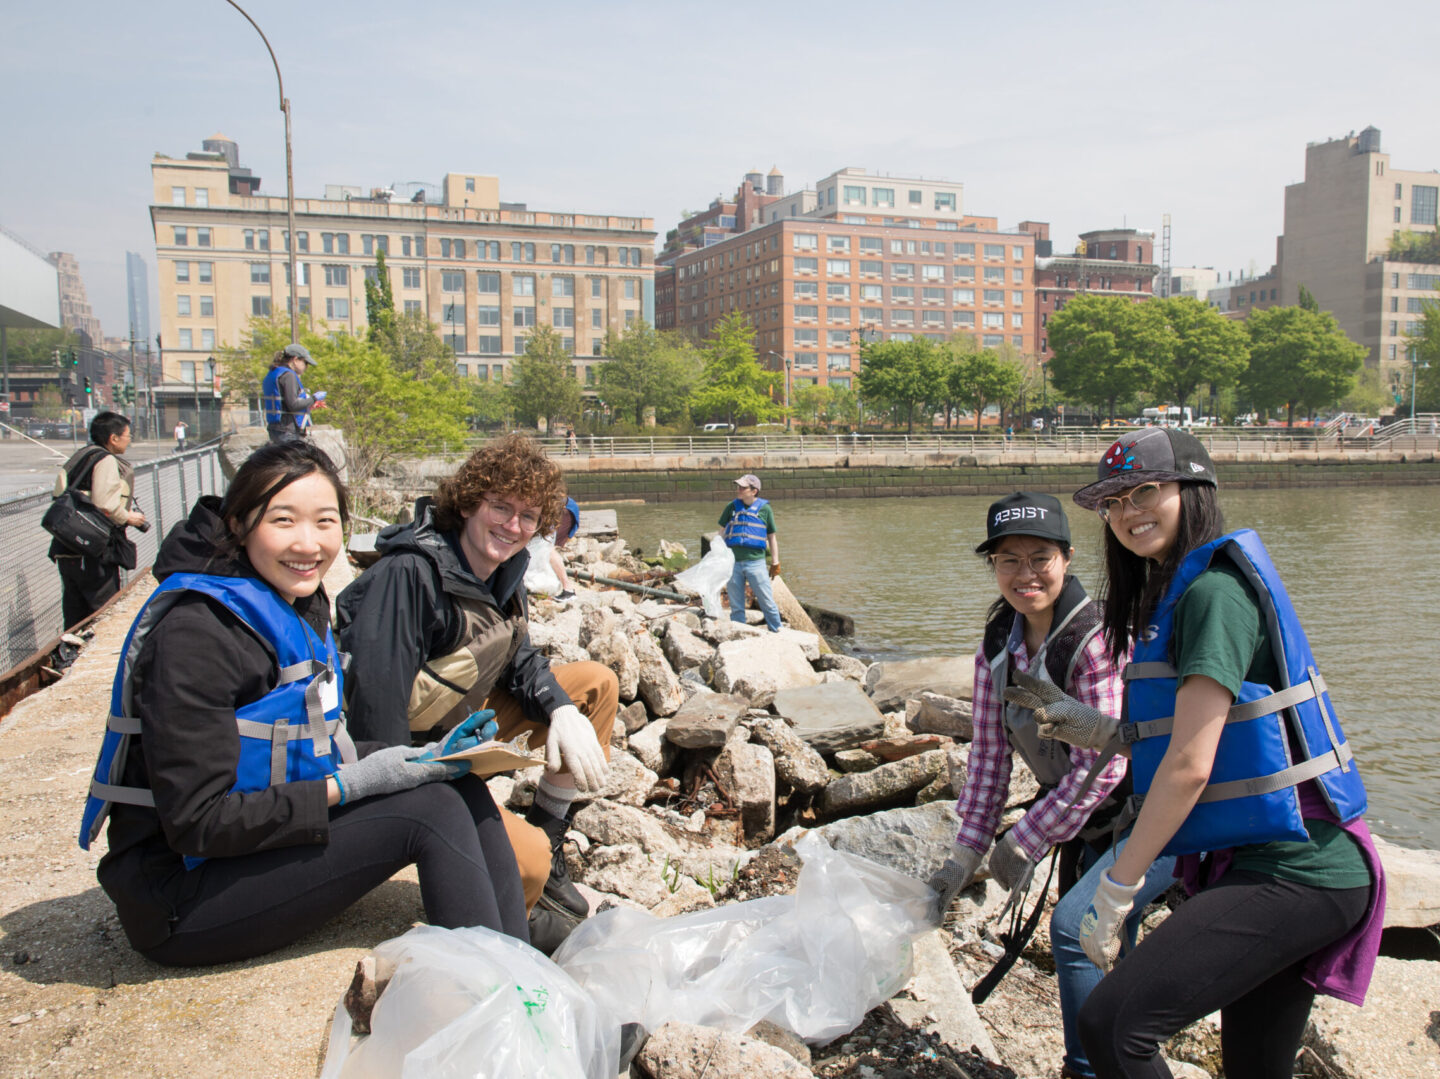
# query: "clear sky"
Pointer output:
{"type": "Point", "coordinates": [1084, 115]}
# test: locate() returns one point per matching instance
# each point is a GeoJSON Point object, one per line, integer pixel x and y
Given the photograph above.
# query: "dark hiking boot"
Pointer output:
{"type": "Point", "coordinates": [549, 927]}
{"type": "Point", "coordinates": [559, 888]}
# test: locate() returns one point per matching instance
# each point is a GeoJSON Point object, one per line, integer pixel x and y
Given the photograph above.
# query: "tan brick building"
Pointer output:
{"type": "Point", "coordinates": [484, 271]}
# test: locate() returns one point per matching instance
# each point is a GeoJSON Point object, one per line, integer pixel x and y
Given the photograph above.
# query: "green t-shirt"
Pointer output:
{"type": "Point", "coordinates": [749, 554]}
{"type": "Point", "coordinates": [1220, 632]}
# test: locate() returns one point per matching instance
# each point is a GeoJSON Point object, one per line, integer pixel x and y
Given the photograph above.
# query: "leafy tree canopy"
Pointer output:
{"type": "Point", "coordinates": [1299, 359]}
{"type": "Point", "coordinates": [648, 369]}
{"type": "Point", "coordinates": [978, 378]}
{"type": "Point", "coordinates": [1205, 347]}
{"type": "Point", "coordinates": [542, 386]}
{"type": "Point", "coordinates": [732, 383]}
{"type": "Point", "coordinates": [1426, 344]}
{"type": "Point", "coordinates": [903, 374]}
{"type": "Point", "coordinates": [37, 348]}
{"type": "Point", "coordinates": [1107, 348]}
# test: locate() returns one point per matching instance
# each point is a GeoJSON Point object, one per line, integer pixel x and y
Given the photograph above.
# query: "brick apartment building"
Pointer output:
{"type": "Point", "coordinates": [1106, 262]}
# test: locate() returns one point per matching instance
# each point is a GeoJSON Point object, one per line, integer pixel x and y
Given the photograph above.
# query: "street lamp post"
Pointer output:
{"type": "Point", "coordinates": [289, 177]}
{"type": "Point", "coordinates": [786, 362]}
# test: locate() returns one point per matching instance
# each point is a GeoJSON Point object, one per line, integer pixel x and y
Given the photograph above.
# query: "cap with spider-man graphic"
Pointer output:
{"type": "Point", "coordinates": [1152, 455]}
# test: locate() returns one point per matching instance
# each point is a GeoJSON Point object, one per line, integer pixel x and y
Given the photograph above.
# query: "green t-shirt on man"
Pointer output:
{"type": "Point", "coordinates": [1220, 632]}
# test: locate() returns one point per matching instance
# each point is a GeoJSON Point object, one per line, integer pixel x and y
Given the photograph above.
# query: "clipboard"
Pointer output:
{"type": "Point", "coordinates": [491, 758]}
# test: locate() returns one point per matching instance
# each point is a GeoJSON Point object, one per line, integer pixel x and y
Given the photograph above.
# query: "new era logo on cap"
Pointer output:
{"type": "Point", "coordinates": [1196, 466]}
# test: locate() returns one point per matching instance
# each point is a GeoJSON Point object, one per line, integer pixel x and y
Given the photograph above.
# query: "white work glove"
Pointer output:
{"type": "Point", "coordinates": [955, 875]}
{"type": "Point", "coordinates": [1101, 927]}
{"type": "Point", "coordinates": [1059, 715]}
{"type": "Point", "coordinates": [1010, 866]}
{"type": "Point", "coordinates": [572, 745]}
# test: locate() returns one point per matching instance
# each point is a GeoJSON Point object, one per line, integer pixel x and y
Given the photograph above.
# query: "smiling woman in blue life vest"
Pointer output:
{"type": "Point", "coordinates": [749, 526]}
{"type": "Point", "coordinates": [1245, 776]}
{"type": "Point", "coordinates": [241, 815]}
{"type": "Point", "coordinates": [1043, 625]}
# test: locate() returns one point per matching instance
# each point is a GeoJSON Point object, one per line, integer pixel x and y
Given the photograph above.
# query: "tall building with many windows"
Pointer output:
{"type": "Point", "coordinates": [486, 272]}
{"type": "Point", "coordinates": [137, 290]}
{"type": "Point", "coordinates": [1339, 225]}
{"type": "Point", "coordinates": [859, 257]}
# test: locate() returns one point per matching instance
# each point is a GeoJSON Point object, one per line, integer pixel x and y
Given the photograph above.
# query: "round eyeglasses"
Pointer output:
{"type": "Point", "coordinates": [1141, 498]}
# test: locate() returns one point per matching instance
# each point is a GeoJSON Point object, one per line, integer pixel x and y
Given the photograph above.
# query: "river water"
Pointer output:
{"type": "Point", "coordinates": [1362, 565]}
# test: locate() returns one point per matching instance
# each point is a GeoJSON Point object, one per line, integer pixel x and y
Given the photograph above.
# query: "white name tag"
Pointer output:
{"type": "Point", "coordinates": [329, 691]}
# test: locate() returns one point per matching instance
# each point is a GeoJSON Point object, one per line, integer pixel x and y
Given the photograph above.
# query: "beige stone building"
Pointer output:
{"type": "Point", "coordinates": [484, 271]}
{"type": "Point", "coordinates": [1339, 222]}
{"type": "Point", "coordinates": [75, 312]}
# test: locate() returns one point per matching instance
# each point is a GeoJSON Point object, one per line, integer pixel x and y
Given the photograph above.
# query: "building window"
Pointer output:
{"type": "Point", "coordinates": [182, 271]}
{"type": "Point", "coordinates": [596, 288]}
{"type": "Point", "coordinates": [207, 306]}
{"type": "Point", "coordinates": [932, 319]}
{"type": "Point", "coordinates": [807, 290]}
{"type": "Point", "coordinates": [452, 280]}
{"type": "Point", "coordinates": [902, 271]}
{"type": "Point", "coordinates": [337, 307]}
{"type": "Point", "coordinates": [1389, 352]}
{"type": "Point", "coordinates": [1397, 215]}
{"type": "Point", "coordinates": [932, 273]}
{"type": "Point", "coordinates": [630, 288]}
{"type": "Point", "coordinates": [260, 305]}
{"type": "Point", "coordinates": [597, 319]}
{"type": "Point", "coordinates": [870, 292]}
{"type": "Point", "coordinates": [488, 315]}
{"type": "Point", "coordinates": [455, 338]}
{"type": "Point", "coordinates": [932, 295]}
{"type": "Point", "coordinates": [563, 318]}
{"type": "Point", "coordinates": [590, 255]}
{"type": "Point", "coordinates": [489, 345]}
{"type": "Point", "coordinates": [1017, 276]}
{"type": "Point", "coordinates": [993, 296]}
{"type": "Point", "coordinates": [563, 286]}
{"type": "Point", "coordinates": [522, 284]}
{"type": "Point", "coordinates": [902, 318]}
{"type": "Point", "coordinates": [305, 273]}
{"type": "Point", "coordinates": [854, 196]}
{"type": "Point", "coordinates": [806, 241]}
{"type": "Point", "coordinates": [523, 316]}
{"type": "Point", "coordinates": [249, 239]}
{"type": "Point", "coordinates": [469, 183]}
{"type": "Point", "coordinates": [994, 251]}
{"type": "Point", "coordinates": [837, 245]}
{"type": "Point", "coordinates": [1423, 204]}
{"type": "Point", "coordinates": [945, 201]}
{"type": "Point", "coordinates": [182, 306]}
{"type": "Point", "coordinates": [964, 320]}
{"type": "Point", "coordinates": [1394, 327]}
{"type": "Point", "coordinates": [807, 311]}
{"type": "Point", "coordinates": [485, 283]}
{"type": "Point", "coordinates": [337, 275]}
{"type": "Point", "coordinates": [807, 265]}
{"type": "Point", "coordinates": [259, 273]}
{"type": "Point", "coordinates": [807, 337]}
{"type": "Point", "coordinates": [902, 294]}
{"type": "Point", "coordinates": [207, 340]}
{"type": "Point", "coordinates": [1017, 320]}
{"type": "Point", "coordinates": [993, 320]}
{"type": "Point", "coordinates": [1017, 299]}
{"type": "Point", "coordinates": [917, 198]}
{"type": "Point", "coordinates": [177, 196]}
{"type": "Point", "coordinates": [206, 271]}
{"type": "Point", "coordinates": [186, 340]}
{"type": "Point", "coordinates": [182, 237]}
{"type": "Point", "coordinates": [413, 305]}
{"type": "Point", "coordinates": [1399, 191]}
{"type": "Point", "coordinates": [410, 277]}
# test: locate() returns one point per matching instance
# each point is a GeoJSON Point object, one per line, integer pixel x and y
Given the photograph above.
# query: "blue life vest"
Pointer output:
{"type": "Point", "coordinates": [746, 527]}
{"type": "Point", "coordinates": [273, 401]}
{"type": "Point", "coordinates": [1275, 737]}
{"type": "Point", "coordinates": [293, 732]}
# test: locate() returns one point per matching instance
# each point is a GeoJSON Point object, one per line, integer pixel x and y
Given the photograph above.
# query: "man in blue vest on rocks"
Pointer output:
{"type": "Point", "coordinates": [287, 405]}
{"type": "Point", "coordinates": [750, 534]}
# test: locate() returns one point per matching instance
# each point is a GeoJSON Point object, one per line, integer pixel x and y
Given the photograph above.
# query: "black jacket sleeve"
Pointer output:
{"type": "Point", "coordinates": [530, 681]}
{"type": "Point", "coordinates": [198, 666]}
{"type": "Point", "coordinates": [391, 619]}
{"type": "Point", "coordinates": [290, 398]}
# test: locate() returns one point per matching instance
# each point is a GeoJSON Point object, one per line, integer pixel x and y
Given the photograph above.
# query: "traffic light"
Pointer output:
{"type": "Point", "coordinates": [74, 358]}
{"type": "Point", "coordinates": [88, 388]}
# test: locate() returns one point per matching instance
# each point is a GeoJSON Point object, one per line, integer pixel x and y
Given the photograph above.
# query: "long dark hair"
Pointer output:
{"type": "Point", "coordinates": [1133, 585]}
{"type": "Point", "coordinates": [265, 473]}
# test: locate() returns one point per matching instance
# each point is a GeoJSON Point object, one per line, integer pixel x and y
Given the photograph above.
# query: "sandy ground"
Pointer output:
{"type": "Point", "coordinates": [74, 998]}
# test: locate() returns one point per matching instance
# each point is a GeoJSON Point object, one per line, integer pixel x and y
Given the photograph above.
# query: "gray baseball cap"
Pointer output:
{"type": "Point", "coordinates": [299, 352]}
{"type": "Point", "coordinates": [1154, 455]}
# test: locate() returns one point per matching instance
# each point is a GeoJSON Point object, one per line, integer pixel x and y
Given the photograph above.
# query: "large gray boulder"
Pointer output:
{"type": "Point", "coordinates": [760, 667]}
{"type": "Point", "coordinates": [683, 649]}
{"type": "Point", "coordinates": [747, 772]}
{"type": "Point", "coordinates": [937, 1002]}
{"type": "Point", "coordinates": [706, 720]}
{"type": "Point", "coordinates": [913, 839]}
{"type": "Point", "coordinates": [720, 630]}
{"type": "Point", "coordinates": [893, 682]}
{"type": "Point", "coordinates": [849, 666]}
{"type": "Point", "coordinates": [938, 714]}
{"type": "Point", "coordinates": [615, 651]}
{"type": "Point", "coordinates": [628, 781]}
{"type": "Point", "coordinates": [1412, 885]}
{"type": "Point", "coordinates": [859, 791]}
{"type": "Point", "coordinates": [658, 687]}
{"type": "Point", "coordinates": [596, 623]}
{"type": "Point", "coordinates": [611, 824]}
{"type": "Point", "coordinates": [797, 765]}
{"type": "Point", "coordinates": [625, 870]}
{"type": "Point", "coordinates": [832, 716]}
{"type": "Point", "coordinates": [652, 748]}
{"type": "Point", "coordinates": [686, 1051]}
{"type": "Point", "coordinates": [1396, 1033]}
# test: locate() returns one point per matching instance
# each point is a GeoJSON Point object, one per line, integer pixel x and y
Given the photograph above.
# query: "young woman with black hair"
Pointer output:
{"type": "Point", "coordinates": [241, 816]}
{"type": "Point", "coordinates": [1244, 772]}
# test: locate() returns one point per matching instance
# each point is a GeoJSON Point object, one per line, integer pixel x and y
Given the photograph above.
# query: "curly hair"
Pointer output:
{"type": "Point", "coordinates": [510, 467]}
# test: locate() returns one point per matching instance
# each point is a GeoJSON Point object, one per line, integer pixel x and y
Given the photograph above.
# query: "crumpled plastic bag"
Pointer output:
{"type": "Point", "coordinates": [708, 576]}
{"type": "Point", "coordinates": [471, 1004]}
{"type": "Point", "coordinates": [540, 579]}
{"type": "Point", "coordinates": [814, 962]}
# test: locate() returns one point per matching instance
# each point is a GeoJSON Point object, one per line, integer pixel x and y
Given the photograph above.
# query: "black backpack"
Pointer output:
{"type": "Point", "coordinates": [76, 522]}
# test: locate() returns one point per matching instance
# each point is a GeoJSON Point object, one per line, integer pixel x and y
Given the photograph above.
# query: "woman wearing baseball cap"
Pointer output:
{"type": "Point", "coordinates": [1244, 772]}
{"type": "Point", "coordinates": [1042, 623]}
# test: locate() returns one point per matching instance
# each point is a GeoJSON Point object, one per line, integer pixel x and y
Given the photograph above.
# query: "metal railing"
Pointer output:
{"type": "Point", "coordinates": [165, 490]}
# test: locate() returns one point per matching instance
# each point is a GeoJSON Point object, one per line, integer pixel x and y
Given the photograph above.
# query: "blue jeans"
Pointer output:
{"type": "Point", "coordinates": [756, 572]}
{"type": "Point", "coordinates": [1074, 972]}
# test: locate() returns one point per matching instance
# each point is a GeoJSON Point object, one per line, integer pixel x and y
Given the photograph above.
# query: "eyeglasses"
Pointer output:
{"type": "Point", "coordinates": [1007, 565]}
{"type": "Point", "coordinates": [503, 513]}
{"type": "Point", "coordinates": [1140, 499]}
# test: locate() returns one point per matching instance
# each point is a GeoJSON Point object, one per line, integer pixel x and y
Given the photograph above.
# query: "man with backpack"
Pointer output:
{"type": "Point", "coordinates": [101, 472]}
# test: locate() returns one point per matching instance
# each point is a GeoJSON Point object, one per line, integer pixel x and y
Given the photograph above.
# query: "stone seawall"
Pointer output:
{"type": "Point", "coordinates": [661, 480]}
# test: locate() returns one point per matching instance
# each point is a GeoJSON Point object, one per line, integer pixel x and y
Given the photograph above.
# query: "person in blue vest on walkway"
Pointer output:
{"type": "Point", "coordinates": [241, 815]}
{"type": "Point", "coordinates": [749, 532]}
{"type": "Point", "coordinates": [286, 402]}
{"type": "Point", "coordinates": [1243, 771]}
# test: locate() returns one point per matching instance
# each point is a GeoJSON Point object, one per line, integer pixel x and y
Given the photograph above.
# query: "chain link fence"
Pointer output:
{"type": "Point", "coordinates": [165, 490]}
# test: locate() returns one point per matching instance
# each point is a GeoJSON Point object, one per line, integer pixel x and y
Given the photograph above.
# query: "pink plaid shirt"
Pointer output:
{"type": "Point", "coordinates": [1095, 681]}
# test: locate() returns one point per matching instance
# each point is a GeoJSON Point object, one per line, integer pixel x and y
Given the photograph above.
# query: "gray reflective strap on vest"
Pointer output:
{"type": "Point", "coordinates": [1288, 777]}
{"type": "Point", "coordinates": [279, 743]}
{"type": "Point", "coordinates": [253, 728]}
{"type": "Point", "coordinates": [1156, 669]}
{"type": "Point", "coordinates": [123, 724]}
{"type": "Point", "coordinates": [1319, 684]}
{"type": "Point", "coordinates": [297, 671]}
{"type": "Point", "coordinates": [130, 796]}
{"type": "Point", "coordinates": [345, 743]}
{"type": "Point", "coordinates": [315, 713]}
{"type": "Point", "coordinates": [1129, 733]}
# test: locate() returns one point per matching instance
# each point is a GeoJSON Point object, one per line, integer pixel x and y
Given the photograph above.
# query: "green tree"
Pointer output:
{"type": "Point", "coordinates": [38, 348]}
{"type": "Point", "coordinates": [732, 382]}
{"type": "Point", "coordinates": [648, 369]}
{"type": "Point", "coordinates": [1106, 348]}
{"type": "Point", "coordinates": [1308, 301]}
{"type": "Point", "coordinates": [489, 403]}
{"type": "Point", "coordinates": [1299, 358]}
{"type": "Point", "coordinates": [979, 378]}
{"type": "Point", "coordinates": [382, 411]}
{"type": "Point", "coordinates": [542, 386]}
{"type": "Point", "coordinates": [1205, 347]}
{"type": "Point", "coordinates": [380, 303]}
{"type": "Point", "coordinates": [413, 342]}
{"type": "Point", "coordinates": [903, 375]}
{"type": "Point", "coordinates": [1368, 396]}
{"type": "Point", "coordinates": [1426, 346]}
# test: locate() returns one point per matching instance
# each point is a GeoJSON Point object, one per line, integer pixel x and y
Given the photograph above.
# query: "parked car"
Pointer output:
{"type": "Point", "coordinates": [726, 428]}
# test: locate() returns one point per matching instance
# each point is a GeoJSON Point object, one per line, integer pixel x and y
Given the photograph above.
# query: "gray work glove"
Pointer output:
{"type": "Point", "coordinates": [955, 875]}
{"type": "Point", "coordinates": [1059, 715]}
{"type": "Point", "coordinates": [1010, 866]}
{"type": "Point", "coordinates": [395, 768]}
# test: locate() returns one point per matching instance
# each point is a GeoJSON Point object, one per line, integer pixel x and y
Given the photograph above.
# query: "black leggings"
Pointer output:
{"type": "Point", "coordinates": [451, 832]}
{"type": "Point", "coordinates": [1239, 946]}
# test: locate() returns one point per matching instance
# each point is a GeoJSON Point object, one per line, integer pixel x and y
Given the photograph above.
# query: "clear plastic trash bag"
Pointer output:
{"type": "Point", "coordinates": [708, 576]}
{"type": "Point", "coordinates": [540, 578]}
{"type": "Point", "coordinates": [814, 962]}
{"type": "Point", "coordinates": [471, 1003]}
